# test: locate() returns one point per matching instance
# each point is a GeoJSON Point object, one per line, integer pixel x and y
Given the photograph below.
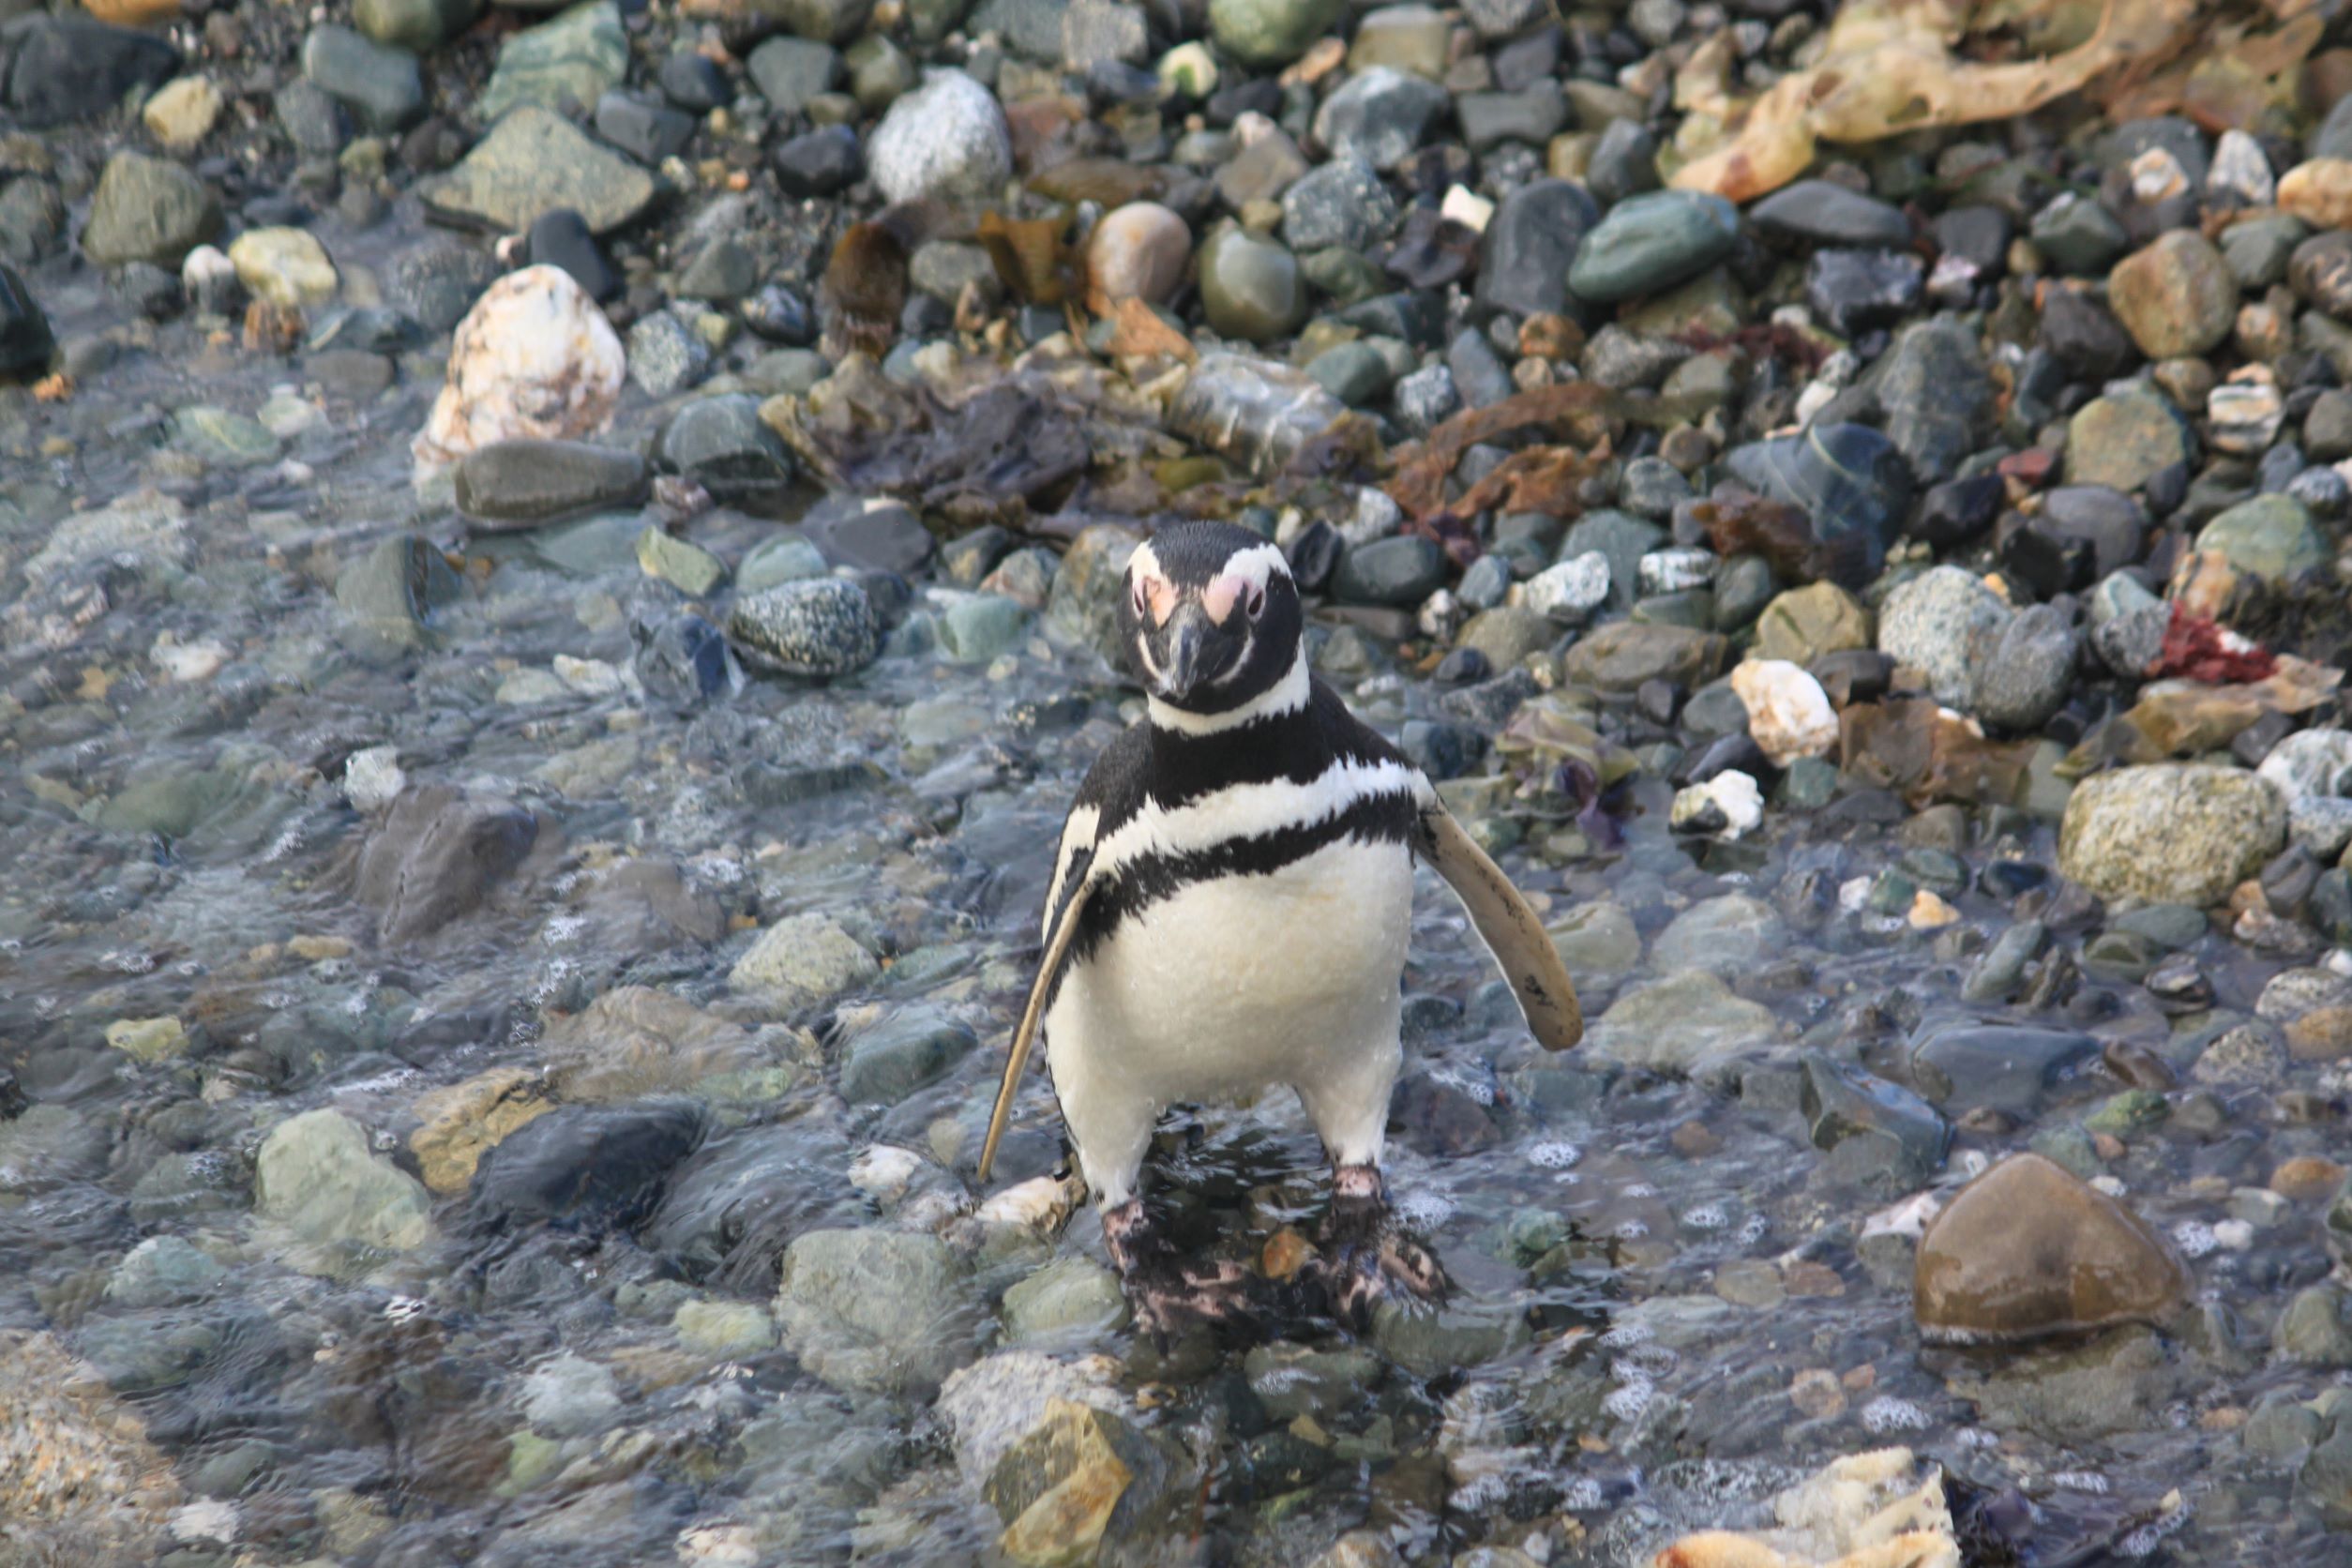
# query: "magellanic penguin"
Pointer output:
{"type": "Point", "coordinates": [1228, 912]}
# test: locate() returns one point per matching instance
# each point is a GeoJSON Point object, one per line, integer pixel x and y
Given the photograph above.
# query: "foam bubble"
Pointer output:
{"type": "Point", "coordinates": [1887, 1413]}
{"type": "Point", "coordinates": [1554, 1154]}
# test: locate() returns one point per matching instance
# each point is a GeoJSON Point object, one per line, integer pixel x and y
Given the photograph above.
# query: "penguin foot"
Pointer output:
{"type": "Point", "coordinates": [1365, 1255]}
{"type": "Point", "coordinates": [1167, 1293]}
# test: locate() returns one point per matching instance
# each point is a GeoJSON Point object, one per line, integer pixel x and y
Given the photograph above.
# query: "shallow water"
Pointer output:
{"type": "Point", "coordinates": [1646, 1266]}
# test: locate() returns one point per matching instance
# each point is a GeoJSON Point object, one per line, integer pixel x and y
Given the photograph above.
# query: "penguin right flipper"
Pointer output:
{"type": "Point", "coordinates": [1509, 928]}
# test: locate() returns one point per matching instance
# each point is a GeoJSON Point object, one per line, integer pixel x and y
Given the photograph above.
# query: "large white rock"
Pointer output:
{"type": "Point", "coordinates": [947, 138]}
{"type": "Point", "coordinates": [534, 359]}
{"type": "Point", "coordinates": [1788, 714]}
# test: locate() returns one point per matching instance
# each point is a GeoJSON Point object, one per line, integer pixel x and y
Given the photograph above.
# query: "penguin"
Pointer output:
{"type": "Point", "coordinates": [1228, 912]}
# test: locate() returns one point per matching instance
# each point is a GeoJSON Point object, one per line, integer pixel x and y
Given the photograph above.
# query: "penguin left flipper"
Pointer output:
{"type": "Point", "coordinates": [1062, 931]}
{"type": "Point", "coordinates": [1509, 928]}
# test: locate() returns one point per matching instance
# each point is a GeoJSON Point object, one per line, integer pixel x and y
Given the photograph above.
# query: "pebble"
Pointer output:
{"type": "Point", "coordinates": [379, 87]}
{"type": "Point", "coordinates": [147, 209]}
{"type": "Point", "coordinates": [1943, 623]}
{"type": "Point", "coordinates": [533, 161]}
{"type": "Point", "coordinates": [1250, 288]}
{"type": "Point", "coordinates": [1788, 714]}
{"type": "Point", "coordinates": [2171, 833]}
{"type": "Point", "coordinates": [1651, 243]}
{"type": "Point", "coordinates": [1138, 251]}
{"type": "Point", "coordinates": [2175, 297]}
{"type": "Point", "coordinates": [947, 138]}
{"type": "Point", "coordinates": [722, 444]}
{"type": "Point", "coordinates": [567, 63]}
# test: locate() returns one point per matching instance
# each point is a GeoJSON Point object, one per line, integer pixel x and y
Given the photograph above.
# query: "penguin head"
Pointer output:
{"type": "Point", "coordinates": [1211, 618]}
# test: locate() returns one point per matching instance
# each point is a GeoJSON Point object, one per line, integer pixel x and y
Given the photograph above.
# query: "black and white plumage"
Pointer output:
{"type": "Point", "coordinates": [1232, 892]}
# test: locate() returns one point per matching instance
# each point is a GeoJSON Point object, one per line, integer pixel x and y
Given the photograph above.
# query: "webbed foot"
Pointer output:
{"type": "Point", "coordinates": [1168, 1291]}
{"type": "Point", "coordinates": [1365, 1255]}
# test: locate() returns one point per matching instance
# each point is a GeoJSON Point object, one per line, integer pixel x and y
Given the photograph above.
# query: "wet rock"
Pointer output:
{"type": "Point", "coordinates": [1138, 251]}
{"type": "Point", "coordinates": [460, 1121]}
{"type": "Point", "coordinates": [389, 597]}
{"type": "Point", "coordinates": [2270, 537]}
{"type": "Point", "coordinates": [534, 359]}
{"type": "Point", "coordinates": [945, 139]}
{"type": "Point", "coordinates": [723, 443]}
{"type": "Point", "coordinates": [1652, 243]}
{"type": "Point", "coordinates": [69, 67]}
{"type": "Point", "coordinates": [1937, 398]}
{"type": "Point", "coordinates": [819, 627]}
{"type": "Point", "coordinates": [438, 856]}
{"type": "Point", "coordinates": [876, 1311]}
{"type": "Point", "coordinates": [1270, 33]}
{"type": "Point", "coordinates": [569, 1395]}
{"type": "Point", "coordinates": [2124, 441]}
{"type": "Point", "coordinates": [1820, 212]}
{"type": "Point", "coordinates": [78, 1478]}
{"type": "Point", "coordinates": [801, 962]}
{"type": "Point", "coordinates": [318, 1179]}
{"type": "Point", "coordinates": [535, 161]}
{"type": "Point", "coordinates": [379, 87]}
{"type": "Point", "coordinates": [419, 26]}
{"type": "Point", "coordinates": [2311, 769]}
{"type": "Point", "coordinates": [2003, 1067]}
{"type": "Point", "coordinates": [723, 1330]}
{"type": "Point", "coordinates": [1725, 936]}
{"type": "Point", "coordinates": [1342, 202]}
{"type": "Point", "coordinates": [1071, 1300]}
{"type": "Point", "coordinates": [1879, 1136]}
{"type": "Point", "coordinates": [1681, 1023]}
{"type": "Point", "coordinates": [893, 1059]}
{"type": "Point", "coordinates": [146, 209]}
{"type": "Point", "coordinates": [1622, 656]}
{"type": "Point", "coordinates": [163, 1271]}
{"type": "Point", "coordinates": [2027, 1250]}
{"type": "Point", "coordinates": [634, 1041]}
{"type": "Point", "coordinates": [2112, 1385]}
{"type": "Point", "coordinates": [1852, 292]}
{"type": "Point", "coordinates": [592, 1168]}
{"type": "Point", "coordinates": [524, 483]}
{"type": "Point", "coordinates": [2027, 670]}
{"type": "Point", "coordinates": [565, 63]}
{"type": "Point", "coordinates": [2176, 297]}
{"type": "Point", "coordinates": [1250, 288]}
{"type": "Point", "coordinates": [1402, 570]}
{"type": "Point", "coordinates": [1527, 245]}
{"type": "Point", "coordinates": [2170, 833]}
{"type": "Point", "coordinates": [1380, 114]}
{"type": "Point", "coordinates": [26, 339]}
{"type": "Point", "coordinates": [1865, 1508]}
{"type": "Point", "coordinates": [284, 267]}
{"type": "Point", "coordinates": [1942, 622]}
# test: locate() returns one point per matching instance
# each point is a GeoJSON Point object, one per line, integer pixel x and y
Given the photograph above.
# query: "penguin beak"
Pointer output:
{"type": "Point", "coordinates": [1186, 640]}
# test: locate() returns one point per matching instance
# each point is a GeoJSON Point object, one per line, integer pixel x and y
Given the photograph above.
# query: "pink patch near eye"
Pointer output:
{"type": "Point", "coordinates": [1159, 595]}
{"type": "Point", "coordinates": [1222, 594]}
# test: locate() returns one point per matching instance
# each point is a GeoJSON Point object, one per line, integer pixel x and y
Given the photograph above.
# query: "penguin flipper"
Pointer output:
{"type": "Point", "coordinates": [1064, 930]}
{"type": "Point", "coordinates": [1509, 928]}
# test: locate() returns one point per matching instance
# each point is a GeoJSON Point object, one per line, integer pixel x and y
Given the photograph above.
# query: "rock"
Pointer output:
{"type": "Point", "coordinates": [163, 1271]}
{"type": "Point", "coordinates": [2001, 1067]}
{"type": "Point", "coordinates": [791, 71]}
{"type": "Point", "coordinates": [1680, 1023]}
{"type": "Point", "coordinates": [1726, 804]}
{"type": "Point", "coordinates": [284, 267]}
{"type": "Point", "coordinates": [460, 1121]}
{"type": "Point", "coordinates": [2026, 670]}
{"type": "Point", "coordinates": [2125, 440]}
{"type": "Point", "coordinates": [1571, 589]}
{"type": "Point", "coordinates": [566, 64]}
{"type": "Point", "coordinates": [945, 139]}
{"type": "Point", "coordinates": [1401, 570]}
{"type": "Point", "coordinates": [419, 26]}
{"type": "Point", "coordinates": [884, 1065]}
{"type": "Point", "coordinates": [569, 1395]}
{"type": "Point", "coordinates": [148, 1040]}
{"type": "Point", "coordinates": [2270, 537]}
{"type": "Point", "coordinates": [146, 209]}
{"type": "Point", "coordinates": [1527, 245]}
{"type": "Point", "coordinates": [1862, 1510]}
{"type": "Point", "coordinates": [79, 1479]}
{"type": "Point", "coordinates": [1620, 657]}
{"type": "Point", "coordinates": [1788, 714]}
{"type": "Point", "coordinates": [869, 535]}
{"type": "Point", "coordinates": [535, 161]}
{"type": "Point", "coordinates": [183, 113]}
{"type": "Point", "coordinates": [25, 340]}
{"type": "Point", "coordinates": [1881, 1135]}
{"type": "Point", "coordinates": [1652, 243]}
{"type": "Point", "coordinates": [723, 1330]}
{"type": "Point", "coordinates": [533, 359]}
{"type": "Point", "coordinates": [2175, 297]}
{"type": "Point", "coordinates": [634, 1041]}
{"type": "Point", "coordinates": [1069, 1301]}
{"type": "Point", "coordinates": [2319, 191]}
{"type": "Point", "coordinates": [1269, 33]}
{"type": "Point", "coordinates": [316, 1177]}
{"type": "Point", "coordinates": [2084, 336]}
{"type": "Point", "coordinates": [526, 483]}
{"type": "Point", "coordinates": [2027, 1250]}
{"type": "Point", "coordinates": [875, 1311]}
{"type": "Point", "coordinates": [1138, 251]}
{"type": "Point", "coordinates": [1943, 623]}
{"type": "Point", "coordinates": [1083, 605]}
{"type": "Point", "coordinates": [1805, 625]}
{"type": "Point", "coordinates": [223, 439]}
{"type": "Point", "coordinates": [1848, 479]}
{"type": "Point", "coordinates": [2170, 833]}
{"type": "Point", "coordinates": [379, 86]}
{"type": "Point", "coordinates": [1820, 212]}
{"type": "Point", "coordinates": [801, 962]}
{"type": "Point", "coordinates": [1380, 114]}
{"type": "Point", "coordinates": [1250, 288]}
{"type": "Point", "coordinates": [69, 67]}
{"type": "Point", "coordinates": [437, 856]}
{"type": "Point", "coordinates": [1937, 398]}
{"type": "Point", "coordinates": [1342, 204]}
{"type": "Point", "coordinates": [665, 356]}
{"type": "Point", "coordinates": [388, 597]}
{"type": "Point", "coordinates": [1533, 115]}
{"type": "Point", "coordinates": [2311, 770]}
{"type": "Point", "coordinates": [1724, 936]}
{"type": "Point", "coordinates": [685, 565]}
{"type": "Point", "coordinates": [819, 627]}
{"type": "Point", "coordinates": [1851, 292]}
{"type": "Point", "coordinates": [587, 1169]}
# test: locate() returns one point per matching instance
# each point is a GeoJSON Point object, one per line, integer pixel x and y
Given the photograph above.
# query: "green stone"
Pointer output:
{"type": "Point", "coordinates": [2121, 1115]}
{"type": "Point", "coordinates": [223, 438]}
{"type": "Point", "coordinates": [1265, 33]}
{"type": "Point", "coordinates": [1250, 288]}
{"type": "Point", "coordinates": [688, 567]}
{"type": "Point", "coordinates": [2270, 537]}
{"type": "Point", "coordinates": [2123, 441]}
{"type": "Point", "coordinates": [564, 64]}
{"type": "Point", "coordinates": [1649, 243]}
{"type": "Point", "coordinates": [977, 629]}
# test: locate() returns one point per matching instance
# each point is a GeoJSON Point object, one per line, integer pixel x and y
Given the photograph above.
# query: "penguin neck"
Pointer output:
{"type": "Point", "coordinates": [1288, 695]}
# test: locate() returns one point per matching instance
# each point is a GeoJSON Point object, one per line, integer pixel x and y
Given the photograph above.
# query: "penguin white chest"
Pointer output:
{"type": "Point", "coordinates": [1234, 983]}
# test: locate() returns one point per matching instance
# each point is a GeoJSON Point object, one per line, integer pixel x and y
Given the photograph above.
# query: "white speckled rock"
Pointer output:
{"type": "Point", "coordinates": [2170, 833]}
{"type": "Point", "coordinates": [1940, 623]}
{"type": "Point", "coordinates": [1788, 714]}
{"type": "Point", "coordinates": [1571, 589]}
{"type": "Point", "coordinates": [947, 138]}
{"type": "Point", "coordinates": [534, 357]}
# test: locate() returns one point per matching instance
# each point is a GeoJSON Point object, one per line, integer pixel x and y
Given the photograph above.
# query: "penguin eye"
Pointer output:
{"type": "Point", "coordinates": [1134, 598]}
{"type": "Point", "coordinates": [1254, 601]}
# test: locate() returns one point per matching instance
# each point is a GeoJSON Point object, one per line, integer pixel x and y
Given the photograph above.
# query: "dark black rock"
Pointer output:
{"type": "Point", "coordinates": [2107, 521]}
{"type": "Point", "coordinates": [1727, 754]}
{"type": "Point", "coordinates": [1625, 163]}
{"type": "Point", "coordinates": [587, 1167]}
{"type": "Point", "coordinates": [561, 238]}
{"type": "Point", "coordinates": [682, 660]}
{"type": "Point", "coordinates": [1847, 478]}
{"type": "Point", "coordinates": [870, 535]}
{"type": "Point", "coordinates": [1439, 749]}
{"type": "Point", "coordinates": [2006, 1067]}
{"type": "Point", "coordinates": [1978, 235]}
{"type": "Point", "coordinates": [1936, 395]}
{"type": "Point", "coordinates": [1479, 376]}
{"type": "Point", "coordinates": [722, 444]}
{"type": "Point", "coordinates": [437, 283]}
{"type": "Point", "coordinates": [693, 82]}
{"type": "Point", "coordinates": [1958, 510]}
{"type": "Point", "coordinates": [1852, 292]}
{"type": "Point", "coordinates": [735, 1203]}
{"type": "Point", "coordinates": [61, 68]}
{"type": "Point", "coordinates": [1461, 667]}
{"type": "Point", "coordinates": [645, 131]}
{"type": "Point", "coordinates": [1879, 1135]}
{"type": "Point", "coordinates": [780, 315]}
{"type": "Point", "coordinates": [1819, 212]}
{"type": "Point", "coordinates": [2044, 560]}
{"type": "Point", "coordinates": [1853, 676]}
{"type": "Point", "coordinates": [1402, 570]}
{"type": "Point", "coordinates": [1313, 553]}
{"type": "Point", "coordinates": [25, 340]}
{"type": "Point", "coordinates": [2084, 336]}
{"type": "Point", "coordinates": [821, 162]}
{"type": "Point", "coordinates": [1528, 243]}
